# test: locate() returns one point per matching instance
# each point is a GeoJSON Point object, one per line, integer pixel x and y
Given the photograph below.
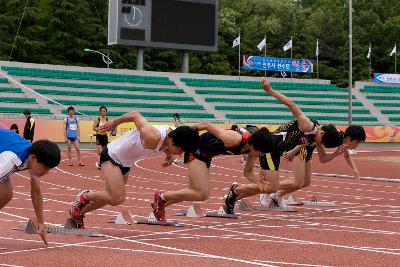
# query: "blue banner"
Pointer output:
{"type": "Point", "coordinates": [278, 64]}
{"type": "Point", "coordinates": [386, 78]}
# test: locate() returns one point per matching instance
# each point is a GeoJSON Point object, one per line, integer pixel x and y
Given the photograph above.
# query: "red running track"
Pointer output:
{"type": "Point", "coordinates": [362, 230]}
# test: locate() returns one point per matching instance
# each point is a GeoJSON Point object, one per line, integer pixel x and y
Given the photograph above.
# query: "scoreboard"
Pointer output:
{"type": "Point", "coordinates": [175, 24]}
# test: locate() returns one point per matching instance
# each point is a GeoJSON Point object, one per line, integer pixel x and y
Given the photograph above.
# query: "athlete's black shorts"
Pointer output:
{"type": "Point", "coordinates": [209, 147]}
{"type": "Point", "coordinates": [105, 157]}
{"type": "Point", "coordinates": [190, 156]}
{"type": "Point", "coordinates": [270, 161]}
{"type": "Point", "coordinates": [306, 152]}
{"type": "Point", "coordinates": [101, 140]}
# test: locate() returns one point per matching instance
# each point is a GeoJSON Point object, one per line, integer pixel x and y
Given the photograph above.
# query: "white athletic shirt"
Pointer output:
{"type": "Point", "coordinates": [128, 148]}
{"type": "Point", "coordinates": [10, 163]}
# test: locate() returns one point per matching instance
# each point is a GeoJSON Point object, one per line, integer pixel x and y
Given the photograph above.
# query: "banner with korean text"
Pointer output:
{"type": "Point", "coordinates": [278, 64]}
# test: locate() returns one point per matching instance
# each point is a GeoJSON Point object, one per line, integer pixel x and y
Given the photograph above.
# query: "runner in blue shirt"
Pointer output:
{"type": "Point", "coordinates": [18, 154]}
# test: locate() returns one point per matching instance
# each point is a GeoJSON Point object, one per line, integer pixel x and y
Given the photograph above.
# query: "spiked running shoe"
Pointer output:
{"type": "Point", "coordinates": [75, 211]}
{"type": "Point", "coordinates": [231, 199]}
{"type": "Point", "coordinates": [278, 201]}
{"type": "Point", "coordinates": [158, 207]}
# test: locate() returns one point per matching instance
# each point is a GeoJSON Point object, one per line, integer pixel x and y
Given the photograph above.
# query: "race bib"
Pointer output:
{"type": "Point", "coordinates": [73, 127]}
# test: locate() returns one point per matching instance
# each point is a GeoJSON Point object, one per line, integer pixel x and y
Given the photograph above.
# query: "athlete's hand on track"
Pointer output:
{"type": "Point", "coordinates": [108, 126]}
{"type": "Point", "coordinates": [42, 232]}
{"type": "Point", "coordinates": [356, 174]}
{"type": "Point", "coordinates": [266, 85]}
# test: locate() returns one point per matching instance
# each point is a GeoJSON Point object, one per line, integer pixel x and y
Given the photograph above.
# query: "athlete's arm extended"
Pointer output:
{"type": "Point", "coordinates": [350, 162]}
{"type": "Point", "coordinates": [230, 138]}
{"type": "Point", "coordinates": [37, 201]}
{"type": "Point", "coordinates": [326, 157]}
{"type": "Point", "coordinates": [304, 123]}
{"type": "Point", "coordinates": [248, 169]}
{"type": "Point", "coordinates": [148, 132]}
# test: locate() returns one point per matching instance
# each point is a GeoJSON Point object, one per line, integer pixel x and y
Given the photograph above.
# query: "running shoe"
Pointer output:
{"type": "Point", "coordinates": [98, 165]}
{"type": "Point", "coordinates": [158, 207]}
{"type": "Point", "coordinates": [76, 208]}
{"type": "Point", "coordinates": [278, 200]}
{"type": "Point", "coordinates": [263, 199]}
{"type": "Point", "coordinates": [231, 199]}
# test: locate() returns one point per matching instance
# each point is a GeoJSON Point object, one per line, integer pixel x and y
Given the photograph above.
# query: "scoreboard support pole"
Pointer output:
{"type": "Point", "coordinates": [139, 58]}
{"type": "Point", "coordinates": [185, 62]}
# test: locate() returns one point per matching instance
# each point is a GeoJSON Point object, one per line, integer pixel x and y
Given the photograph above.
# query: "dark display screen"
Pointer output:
{"type": "Point", "coordinates": [183, 22]}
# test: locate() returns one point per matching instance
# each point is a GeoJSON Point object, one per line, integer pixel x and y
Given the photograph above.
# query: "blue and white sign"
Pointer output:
{"type": "Point", "coordinates": [278, 64]}
{"type": "Point", "coordinates": [386, 78]}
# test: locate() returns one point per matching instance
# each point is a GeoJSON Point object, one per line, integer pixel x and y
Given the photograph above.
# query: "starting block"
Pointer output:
{"type": "Point", "coordinates": [293, 201]}
{"type": "Point", "coordinates": [194, 211]}
{"type": "Point", "coordinates": [312, 202]}
{"type": "Point", "coordinates": [220, 213]}
{"type": "Point", "coordinates": [315, 202]}
{"type": "Point", "coordinates": [124, 217]}
{"type": "Point", "coordinates": [247, 206]}
{"type": "Point", "coordinates": [68, 229]}
{"type": "Point", "coordinates": [152, 220]}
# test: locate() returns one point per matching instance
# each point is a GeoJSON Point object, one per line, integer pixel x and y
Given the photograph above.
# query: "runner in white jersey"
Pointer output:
{"type": "Point", "coordinates": [119, 156]}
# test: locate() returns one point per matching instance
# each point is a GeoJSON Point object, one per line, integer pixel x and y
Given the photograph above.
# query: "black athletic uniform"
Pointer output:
{"type": "Point", "coordinates": [288, 137]}
{"type": "Point", "coordinates": [210, 146]}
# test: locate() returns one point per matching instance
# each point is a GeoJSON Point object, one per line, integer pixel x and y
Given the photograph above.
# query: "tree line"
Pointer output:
{"type": "Point", "coordinates": [56, 32]}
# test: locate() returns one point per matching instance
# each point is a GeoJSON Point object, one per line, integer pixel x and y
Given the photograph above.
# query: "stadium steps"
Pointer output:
{"type": "Point", "coordinates": [198, 99]}
{"type": "Point", "coordinates": [369, 104]}
{"type": "Point", "coordinates": [383, 98]}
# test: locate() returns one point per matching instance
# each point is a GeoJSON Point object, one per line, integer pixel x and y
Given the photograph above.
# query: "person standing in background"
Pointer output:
{"type": "Point", "coordinates": [71, 135]}
{"type": "Point", "coordinates": [177, 120]}
{"type": "Point", "coordinates": [29, 129]}
{"type": "Point", "coordinates": [101, 136]}
{"type": "Point", "coordinates": [14, 128]}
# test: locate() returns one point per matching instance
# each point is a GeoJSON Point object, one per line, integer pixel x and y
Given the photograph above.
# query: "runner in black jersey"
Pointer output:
{"type": "Point", "coordinates": [216, 141]}
{"type": "Point", "coordinates": [296, 141]}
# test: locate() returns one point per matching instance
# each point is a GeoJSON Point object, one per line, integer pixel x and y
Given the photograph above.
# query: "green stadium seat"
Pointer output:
{"type": "Point", "coordinates": [285, 109]}
{"type": "Point", "coordinates": [290, 117]}
{"type": "Point", "coordinates": [18, 100]}
{"type": "Point", "coordinates": [20, 110]}
{"type": "Point", "coordinates": [122, 104]}
{"type": "Point", "coordinates": [109, 95]}
{"type": "Point", "coordinates": [249, 93]}
{"type": "Point", "coordinates": [101, 86]}
{"type": "Point", "coordinates": [148, 114]}
{"type": "Point", "coordinates": [10, 90]}
{"type": "Point", "coordinates": [95, 76]}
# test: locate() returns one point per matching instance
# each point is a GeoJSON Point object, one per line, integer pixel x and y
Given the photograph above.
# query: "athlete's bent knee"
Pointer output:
{"type": "Point", "coordinates": [117, 200]}
{"type": "Point", "coordinates": [202, 196]}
